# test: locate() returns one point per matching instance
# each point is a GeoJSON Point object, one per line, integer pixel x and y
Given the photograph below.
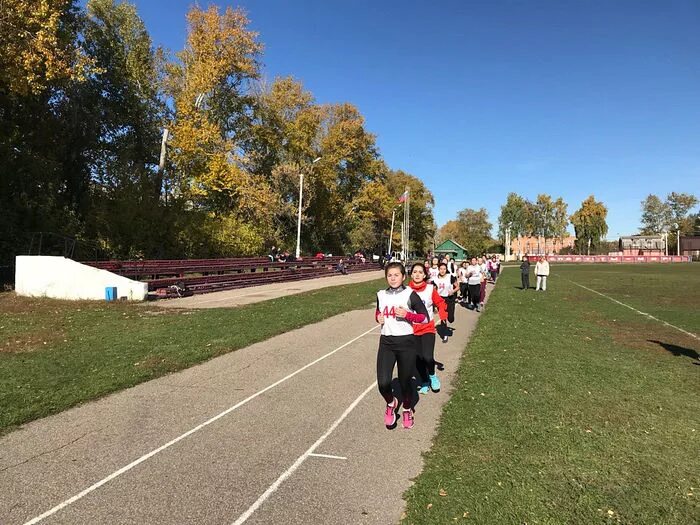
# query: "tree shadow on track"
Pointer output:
{"type": "Point", "coordinates": [678, 350]}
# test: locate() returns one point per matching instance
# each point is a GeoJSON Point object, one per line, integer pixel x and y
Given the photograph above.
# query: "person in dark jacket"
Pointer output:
{"type": "Point", "coordinates": [525, 273]}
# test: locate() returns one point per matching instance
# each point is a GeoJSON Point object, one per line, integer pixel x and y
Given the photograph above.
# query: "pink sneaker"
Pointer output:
{"type": "Point", "coordinates": [391, 414]}
{"type": "Point", "coordinates": [408, 419]}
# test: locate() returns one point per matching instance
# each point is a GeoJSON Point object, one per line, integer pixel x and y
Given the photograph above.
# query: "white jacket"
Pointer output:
{"type": "Point", "coordinates": [542, 268]}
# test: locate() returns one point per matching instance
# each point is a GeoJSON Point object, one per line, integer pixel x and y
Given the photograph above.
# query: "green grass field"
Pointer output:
{"type": "Point", "coordinates": [56, 354]}
{"type": "Point", "coordinates": [572, 409]}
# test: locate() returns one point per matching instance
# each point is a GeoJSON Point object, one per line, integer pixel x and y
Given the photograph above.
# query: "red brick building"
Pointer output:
{"type": "Point", "coordinates": [540, 245]}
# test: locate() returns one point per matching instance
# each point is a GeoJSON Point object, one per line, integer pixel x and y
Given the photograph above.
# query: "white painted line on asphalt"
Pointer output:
{"type": "Point", "coordinates": [152, 453]}
{"type": "Point", "coordinates": [634, 309]}
{"type": "Point", "coordinates": [327, 456]}
{"type": "Point", "coordinates": [272, 488]}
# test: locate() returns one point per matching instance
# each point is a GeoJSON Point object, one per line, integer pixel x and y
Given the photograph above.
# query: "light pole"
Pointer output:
{"type": "Point", "coordinates": [678, 239]}
{"type": "Point", "coordinates": [301, 193]}
{"type": "Point", "coordinates": [391, 232]}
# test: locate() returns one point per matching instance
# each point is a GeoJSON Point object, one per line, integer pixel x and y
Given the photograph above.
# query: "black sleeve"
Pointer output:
{"type": "Point", "coordinates": [417, 305]}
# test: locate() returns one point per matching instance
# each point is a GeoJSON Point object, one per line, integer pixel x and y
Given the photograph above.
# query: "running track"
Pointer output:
{"type": "Point", "coordinates": [285, 431]}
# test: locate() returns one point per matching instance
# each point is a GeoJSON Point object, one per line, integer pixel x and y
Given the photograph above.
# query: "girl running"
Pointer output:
{"type": "Point", "coordinates": [433, 271]}
{"type": "Point", "coordinates": [398, 308]}
{"type": "Point", "coordinates": [425, 332]}
{"type": "Point", "coordinates": [463, 286]}
{"type": "Point", "coordinates": [474, 282]}
{"type": "Point", "coordinates": [447, 288]}
{"type": "Point", "coordinates": [484, 280]}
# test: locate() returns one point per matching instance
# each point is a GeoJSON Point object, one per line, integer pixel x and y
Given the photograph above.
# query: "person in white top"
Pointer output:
{"type": "Point", "coordinates": [542, 272]}
{"type": "Point", "coordinates": [463, 286]}
{"type": "Point", "coordinates": [451, 266]}
{"type": "Point", "coordinates": [398, 308]}
{"type": "Point", "coordinates": [474, 283]}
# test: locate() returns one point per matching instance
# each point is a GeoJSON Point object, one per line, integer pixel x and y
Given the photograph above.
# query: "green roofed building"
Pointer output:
{"type": "Point", "coordinates": [456, 251]}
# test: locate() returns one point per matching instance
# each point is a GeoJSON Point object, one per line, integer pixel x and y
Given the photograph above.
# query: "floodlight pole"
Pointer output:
{"type": "Point", "coordinates": [678, 241]}
{"type": "Point", "coordinates": [301, 193]}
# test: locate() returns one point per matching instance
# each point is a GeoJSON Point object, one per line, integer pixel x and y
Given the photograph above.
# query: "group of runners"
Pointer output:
{"type": "Point", "coordinates": [409, 326]}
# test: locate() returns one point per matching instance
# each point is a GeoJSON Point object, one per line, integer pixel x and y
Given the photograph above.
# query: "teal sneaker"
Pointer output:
{"type": "Point", "coordinates": [424, 389]}
{"type": "Point", "coordinates": [434, 383]}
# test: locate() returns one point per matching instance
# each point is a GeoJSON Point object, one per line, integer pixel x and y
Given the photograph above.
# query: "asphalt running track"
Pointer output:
{"type": "Point", "coordinates": [289, 430]}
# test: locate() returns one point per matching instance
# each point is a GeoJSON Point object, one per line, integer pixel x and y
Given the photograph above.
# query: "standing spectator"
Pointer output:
{"type": "Point", "coordinates": [525, 273]}
{"type": "Point", "coordinates": [542, 272]}
{"type": "Point", "coordinates": [273, 254]}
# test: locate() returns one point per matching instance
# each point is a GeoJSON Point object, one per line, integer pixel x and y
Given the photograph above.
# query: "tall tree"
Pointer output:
{"type": "Point", "coordinates": [681, 205]}
{"type": "Point", "coordinates": [590, 225]}
{"type": "Point", "coordinates": [560, 219]}
{"type": "Point", "coordinates": [126, 93]}
{"type": "Point", "coordinates": [450, 230]}
{"type": "Point", "coordinates": [656, 215]}
{"type": "Point", "coordinates": [38, 45]}
{"type": "Point", "coordinates": [208, 86]}
{"type": "Point", "coordinates": [515, 214]}
{"type": "Point", "coordinates": [476, 230]}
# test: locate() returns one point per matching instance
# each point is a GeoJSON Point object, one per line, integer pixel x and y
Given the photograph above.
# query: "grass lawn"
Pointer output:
{"type": "Point", "coordinates": [571, 409]}
{"type": "Point", "coordinates": [56, 354]}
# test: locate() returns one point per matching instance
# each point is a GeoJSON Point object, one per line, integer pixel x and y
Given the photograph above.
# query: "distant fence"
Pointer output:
{"type": "Point", "coordinates": [618, 258]}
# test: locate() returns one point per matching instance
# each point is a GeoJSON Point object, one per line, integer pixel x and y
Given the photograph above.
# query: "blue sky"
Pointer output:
{"type": "Point", "coordinates": [480, 98]}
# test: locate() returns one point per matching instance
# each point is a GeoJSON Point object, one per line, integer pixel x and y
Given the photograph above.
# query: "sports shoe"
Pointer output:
{"type": "Point", "coordinates": [434, 383]}
{"type": "Point", "coordinates": [392, 413]}
{"type": "Point", "coordinates": [408, 419]}
{"type": "Point", "coordinates": [424, 388]}
{"type": "Point", "coordinates": [444, 338]}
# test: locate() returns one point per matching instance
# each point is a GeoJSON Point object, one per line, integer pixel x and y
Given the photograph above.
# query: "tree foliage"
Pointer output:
{"type": "Point", "coordinates": [590, 224]}
{"type": "Point", "coordinates": [85, 98]}
{"type": "Point", "coordinates": [474, 230]}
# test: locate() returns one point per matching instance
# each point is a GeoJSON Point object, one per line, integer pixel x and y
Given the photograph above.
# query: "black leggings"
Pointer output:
{"type": "Point", "coordinates": [394, 350]}
{"type": "Point", "coordinates": [475, 294]}
{"type": "Point", "coordinates": [464, 291]}
{"type": "Point", "coordinates": [425, 361]}
{"type": "Point", "coordinates": [450, 300]}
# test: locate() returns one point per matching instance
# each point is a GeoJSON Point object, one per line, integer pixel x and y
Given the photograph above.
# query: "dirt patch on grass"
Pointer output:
{"type": "Point", "coordinates": [657, 338]}
{"type": "Point", "coordinates": [32, 341]}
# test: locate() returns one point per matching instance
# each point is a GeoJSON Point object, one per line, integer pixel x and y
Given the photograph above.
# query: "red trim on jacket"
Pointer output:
{"type": "Point", "coordinates": [439, 302]}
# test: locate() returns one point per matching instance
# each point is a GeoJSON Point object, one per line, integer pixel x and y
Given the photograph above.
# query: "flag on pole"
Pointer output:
{"type": "Point", "coordinates": [404, 196]}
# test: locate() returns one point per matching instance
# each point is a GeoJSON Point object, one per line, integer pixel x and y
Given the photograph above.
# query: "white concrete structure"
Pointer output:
{"type": "Point", "coordinates": [61, 278]}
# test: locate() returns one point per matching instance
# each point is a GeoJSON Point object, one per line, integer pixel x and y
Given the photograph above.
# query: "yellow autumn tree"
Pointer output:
{"type": "Point", "coordinates": [37, 45]}
{"type": "Point", "coordinates": [208, 85]}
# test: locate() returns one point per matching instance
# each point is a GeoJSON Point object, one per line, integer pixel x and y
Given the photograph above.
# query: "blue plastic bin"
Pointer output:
{"type": "Point", "coordinates": [111, 293]}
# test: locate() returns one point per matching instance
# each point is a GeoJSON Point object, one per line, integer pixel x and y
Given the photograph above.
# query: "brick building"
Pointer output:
{"type": "Point", "coordinates": [539, 245]}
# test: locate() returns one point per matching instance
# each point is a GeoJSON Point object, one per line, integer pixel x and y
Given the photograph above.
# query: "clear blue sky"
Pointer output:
{"type": "Point", "coordinates": [480, 98]}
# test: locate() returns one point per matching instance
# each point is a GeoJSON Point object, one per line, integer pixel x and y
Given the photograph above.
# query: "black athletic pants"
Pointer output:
{"type": "Point", "coordinates": [464, 291]}
{"type": "Point", "coordinates": [525, 278]}
{"type": "Point", "coordinates": [401, 350]}
{"type": "Point", "coordinates": [474, 294]}
{"type": "Point", "coordinates": [450, 300]}
{"type": "Point", "coordinates": [425, 363]}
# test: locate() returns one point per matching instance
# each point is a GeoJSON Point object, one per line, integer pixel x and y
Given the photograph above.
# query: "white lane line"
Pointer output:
{"type": "Point", "coordinates": [329, 456]}
{"type": "Point", "coordinates": [634, 309]}
{"type": "Point", "coordinates": [272, 488]}
{"type": "Point", "coordinates": [152, 453]}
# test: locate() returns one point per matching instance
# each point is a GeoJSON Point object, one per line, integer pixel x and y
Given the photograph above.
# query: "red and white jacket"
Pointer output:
{"type": "Point", "coordinates": [431, 299]}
